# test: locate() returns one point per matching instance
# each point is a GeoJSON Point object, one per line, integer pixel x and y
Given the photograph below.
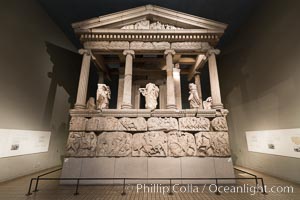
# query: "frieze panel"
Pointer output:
{"type": "Point", "coordinates": [114, 144]}
{"type": "Point", "coordinates": [78, 123]}
{"type": "Point", "coordinates": [152, 143]}
{"type": "Point", "coordinates": [219, 124]}
{"type": "Point", "coordinates": [212, 144]}
{"type": "Point", "coordinates": [149, 45]}
{"type": "Point", "coordinates": [194, 124]}
{"type": "Point", "coordinates": [162, 124]}
{"type": "Point", "coordinates": [181, 144]}
{"type": "Point", "coordinates": [132, 124]}
{"type": "Point", "coordinates": [81, 144]}
{"type": "Point", "coordinates": [103, 124]}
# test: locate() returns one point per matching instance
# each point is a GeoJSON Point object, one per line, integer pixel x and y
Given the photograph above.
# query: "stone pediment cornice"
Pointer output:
{"type": "Point", "coordinates": [157, 17]}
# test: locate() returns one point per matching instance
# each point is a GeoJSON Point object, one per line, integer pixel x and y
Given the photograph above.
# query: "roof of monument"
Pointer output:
{"type": "Point", "coordinates": [166, 18]}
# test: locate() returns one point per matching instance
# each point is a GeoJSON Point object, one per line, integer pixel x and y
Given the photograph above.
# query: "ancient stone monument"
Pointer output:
{"type": "Point", "coordinates": [160, 139]}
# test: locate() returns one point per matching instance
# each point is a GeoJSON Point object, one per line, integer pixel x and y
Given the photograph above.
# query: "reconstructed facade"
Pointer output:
{"type": "Point", "coordinates": [153, 46]}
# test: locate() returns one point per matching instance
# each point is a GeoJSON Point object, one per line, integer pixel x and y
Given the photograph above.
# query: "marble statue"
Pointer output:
{"type": "Point", "coordinates": [103, 96]}
{"type": "Point", "coordinates": [150, 93]}
{"type": "Point", "coordinates": [91, 105]}
{"type": "Point", "coordinates": [194, 99]}
{"type": "Point", "coordinates": [207, 103]}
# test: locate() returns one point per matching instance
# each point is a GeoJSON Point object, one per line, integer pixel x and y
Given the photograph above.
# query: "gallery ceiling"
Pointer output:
{"type": "Point", "coordinates": [232, 12]}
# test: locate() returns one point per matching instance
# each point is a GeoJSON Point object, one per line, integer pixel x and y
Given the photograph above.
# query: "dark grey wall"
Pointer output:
{"type": "Point", "coordinates": [260, 84]}
{"type": "Point", "coordinates": [39, 71]}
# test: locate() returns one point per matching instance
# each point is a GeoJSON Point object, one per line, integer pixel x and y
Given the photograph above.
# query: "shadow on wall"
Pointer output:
{"type": "Point", "coordinates": [232, 74]}
{"type": "Point", "coordinates": [65, 73]}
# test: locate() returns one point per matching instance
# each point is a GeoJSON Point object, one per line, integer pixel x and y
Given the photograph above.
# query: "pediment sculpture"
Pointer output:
{"type": "Point", "coordinates": [146, 24]}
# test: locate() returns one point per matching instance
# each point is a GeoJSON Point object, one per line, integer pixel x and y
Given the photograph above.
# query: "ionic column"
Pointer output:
{"type": "Point", "coordinates": [198, 84]}
{"type": "Point", "coordinates": [176, 76]}
{"type": "Point", "coordinates": [170, 80]}
{"type": "Point", "coordinates": [214, 79]}
{"type": "Point", "coordinates": [126, 103]}
{"type": "Point", "coordinates": [83, 80]}
{"type": "Point", "coordinates": [120, 88]}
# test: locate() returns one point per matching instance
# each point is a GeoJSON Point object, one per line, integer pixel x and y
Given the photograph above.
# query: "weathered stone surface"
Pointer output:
{"type": "Point", "coordinates": [78, 123]}
{"type": "Point", "coordinates": [194, 124]}
{"type": "Point", "coordinates": [150, 93]}
{"type": "Point", "coordinates": [150, 144]}
{"type": "Point", "coordinates": [102, 124]}
{"type": "Point", "coordinates": [219, 124]}
{"type": "Point", "coordinates": [105, 45]}
{"type": "Point", "coordinates": [146, 24]}
{"type": "Point", "coordinates": [103, 96]}
{"type": "Point", "coordinates": [149, 45]}
{"type": "Point", "coordinates": [114, 144]}
{"type": "Point", "coordinates": [81, 144]}
{"type": "Point", "coordinates": [212, 144]}
{"type": "Point", "coordinates": [190, 45]}
{"type": "Point", "coordinates": [207, 103]}
{"type": "Point", "coordinates": [132, 124]}
{"type": "Point", "coordinates": [195, 101]}
{"type": "Point", "coordinates": [181, 144]}
{"type": "Point", "coordinates": [162, 124]}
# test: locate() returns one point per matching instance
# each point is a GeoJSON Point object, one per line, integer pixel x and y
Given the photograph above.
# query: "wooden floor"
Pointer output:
{"type": "Point", "coordinates": [16, 190]}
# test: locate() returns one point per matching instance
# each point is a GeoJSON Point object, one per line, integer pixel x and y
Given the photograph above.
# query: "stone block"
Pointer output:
{"type": "Point", "coordinates": [114, 144]}
{"type": "Point", "coordinates": [132, 124]}
{"type": "Point", "coordinates": [81, 144]}
{"type": "Point", "coordinates": [131, 167]}
{"type": "Point", "coordinates": [194, 124]}
{"type": "Point", "coordinates": [219, 124]}
{"type": "Point", "coordinates": [224, 169]}
{"type": "Point", "coordinates": [152, 143]}
{"type": "Point", "coordinates": [97, 168]}
{"type": "Point", "coordinates": [78, 124]}
{"type": "Point", "coordinates": [71, 169]}
{"type": "Point", "coordinates": [162, 124]}
{"type": "Point", "coordinates": [168, 167]}
{"type": "Point", "coordinates": [181, 144]}
{"type": "Point", "coordinates": [103, 124]}
{"type": "Point", "coordinates": [197, 167]}
{"type": "Point", "coordinates": [212, 144]}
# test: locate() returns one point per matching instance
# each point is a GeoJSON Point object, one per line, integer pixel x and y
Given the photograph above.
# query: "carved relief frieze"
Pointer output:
{"type": "Point", "coordinates": [162, 124]}
{"type": "Point", "coordinates": [114, 144]}
{"type": "Point", "coordinates": [181, 144]}
{"type": "Point", "coordinates": [212, 144]}
{"type": "Point", "coordinates": [194, 124]}
{"type": "Point", "coordinates": [152, 143]}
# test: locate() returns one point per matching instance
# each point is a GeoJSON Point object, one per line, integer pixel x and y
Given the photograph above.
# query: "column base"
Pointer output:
{"type": "Point", "coordinates": [80, 106]}
{"type": "Point", "coordinates": [126, 106]}
{"type": "Point", "coordinates": [217, 106]}
{"type": "Point", "coordinates": [171, 106]}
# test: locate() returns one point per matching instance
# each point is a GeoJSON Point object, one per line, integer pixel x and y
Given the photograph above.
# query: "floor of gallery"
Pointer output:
{"type": "Point", "coordinates": [16, 189]}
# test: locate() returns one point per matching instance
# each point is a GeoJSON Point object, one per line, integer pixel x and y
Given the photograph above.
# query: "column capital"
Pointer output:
{"type": "Point", "coordinates": [128, 51]}
{"type": "Point", "coordinates": [197, 73]}
{"type": "Point", "coordinates": [213, 51]}
{"type": "Point", "coordinates": [170, 51]}
{"type": "Point", "coordinates": [84, 51]}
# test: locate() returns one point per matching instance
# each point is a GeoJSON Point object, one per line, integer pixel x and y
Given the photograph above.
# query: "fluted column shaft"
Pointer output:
{"type": "Point", "coordinates": [126, 104]}
{"type": "Point", "coordinates": [214, 79]}
{"type": "Point", "coordinates": [83, 80]}
{"type": "Point", "coordinates": [171, 104]}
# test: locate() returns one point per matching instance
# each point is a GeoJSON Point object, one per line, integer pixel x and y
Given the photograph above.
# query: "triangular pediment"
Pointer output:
{"type": "Point", "coordinates": [148, 17]}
